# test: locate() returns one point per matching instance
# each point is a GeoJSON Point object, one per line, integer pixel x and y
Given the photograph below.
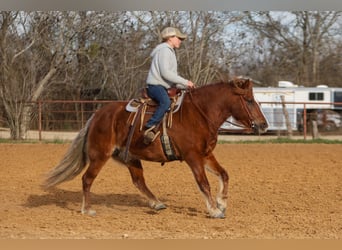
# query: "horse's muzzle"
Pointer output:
{"type": "Point", "coordinates": [259, 128]}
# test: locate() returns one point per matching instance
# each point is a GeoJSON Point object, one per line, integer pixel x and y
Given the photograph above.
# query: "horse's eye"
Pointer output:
{"type": "Point", "coordinates": [249, 101]}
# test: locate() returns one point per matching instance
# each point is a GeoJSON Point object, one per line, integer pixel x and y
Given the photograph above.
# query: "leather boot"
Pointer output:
{"type": "Point", "coordinates": [150, 135]}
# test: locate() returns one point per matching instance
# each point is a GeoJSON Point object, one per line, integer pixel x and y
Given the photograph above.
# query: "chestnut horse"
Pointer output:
{"type": "Point", "coordinates": [194, 134]}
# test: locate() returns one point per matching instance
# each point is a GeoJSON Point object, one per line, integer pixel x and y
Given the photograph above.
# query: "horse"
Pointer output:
{"type": "Point", "coordinates": [194, 135]}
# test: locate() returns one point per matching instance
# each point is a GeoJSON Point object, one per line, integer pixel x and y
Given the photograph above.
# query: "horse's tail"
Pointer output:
{"type": "Point", "coordinates": [73, 162]}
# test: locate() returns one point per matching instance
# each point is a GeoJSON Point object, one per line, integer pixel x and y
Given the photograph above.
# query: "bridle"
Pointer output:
{"type": "Point", "coordinates": [243, 101]}
{"type": "Point", "coordinates": [250, 117]}
{"type": "Point", "coordinates": [251, 122]}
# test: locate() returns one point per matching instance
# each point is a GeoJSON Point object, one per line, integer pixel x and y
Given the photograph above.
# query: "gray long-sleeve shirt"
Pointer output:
{"type": "Point", "coordinates": [163, 69]}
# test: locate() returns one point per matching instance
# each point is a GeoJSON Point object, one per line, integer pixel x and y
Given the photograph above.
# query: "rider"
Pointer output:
{"type": "Point", "coordinates": [163, 75]}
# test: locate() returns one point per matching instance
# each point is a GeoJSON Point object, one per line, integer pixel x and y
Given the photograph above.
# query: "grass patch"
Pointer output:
{"type": "Point", "coordinates": [54, 141]}
{"type": "Point", "coordinates": [282, 141]}
{"type": "Point", "coordinates": [5, 141]}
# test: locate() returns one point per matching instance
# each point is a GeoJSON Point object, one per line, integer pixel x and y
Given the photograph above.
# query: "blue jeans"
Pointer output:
{"type": "Point", "coordinates": [158, 94]}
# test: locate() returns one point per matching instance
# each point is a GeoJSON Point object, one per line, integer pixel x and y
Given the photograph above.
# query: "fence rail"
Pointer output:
{"type": "Point", "coordinates": [70, 116]}
{"type": "Point", "coordinates": [327, 115]}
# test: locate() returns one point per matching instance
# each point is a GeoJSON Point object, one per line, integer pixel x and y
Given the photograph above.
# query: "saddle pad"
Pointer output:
{"type": "Point", "coordinates": [134, 104]}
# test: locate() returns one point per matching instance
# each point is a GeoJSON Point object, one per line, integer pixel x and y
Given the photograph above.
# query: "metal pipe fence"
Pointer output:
{"type": "Point", "coordinates": [328, 116]}
{"type": "Point", "coordinates": [62, 115]}
{"type": "Point", "coordinates": [71, 116]}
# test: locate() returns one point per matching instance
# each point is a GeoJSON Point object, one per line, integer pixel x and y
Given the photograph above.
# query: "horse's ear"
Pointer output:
{"type": "Point", "coordinates": [241, 85]}
{"type": "Point", "coordinates": [249, 83]}
{"type": "Point", "coordinates": [245, 83]}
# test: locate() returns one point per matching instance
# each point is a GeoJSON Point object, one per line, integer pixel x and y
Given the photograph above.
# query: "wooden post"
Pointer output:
{"type": "Point", "coordinates": [40, 120]}
{"type": "Point", "coordinates": [304, 121]}
{"type": "Point", "coordinates": [286, 115]}
{"type": "Point", "coordinates": [314, 129]}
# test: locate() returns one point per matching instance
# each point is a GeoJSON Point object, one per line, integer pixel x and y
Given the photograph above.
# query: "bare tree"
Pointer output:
{"type": "Point", "coordinates": [34, 47]}
{"type": "Point", "coordinates": [115, 56]}
{"type": "Point", "coordinates": [293, 43]}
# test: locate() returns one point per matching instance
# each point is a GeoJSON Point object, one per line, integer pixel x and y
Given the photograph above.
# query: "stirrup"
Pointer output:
{"type": "Point", "coordinates": [150, 135]}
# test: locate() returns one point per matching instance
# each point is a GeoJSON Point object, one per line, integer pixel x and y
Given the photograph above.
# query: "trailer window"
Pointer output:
{"type": "Point", "coordinates": [316, 96]}
{"type": "Point", "coordinates": [338, 98]}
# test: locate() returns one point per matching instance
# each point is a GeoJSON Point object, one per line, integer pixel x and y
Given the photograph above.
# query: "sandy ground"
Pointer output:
{"type": "Point", "coordinates": [277, 191]}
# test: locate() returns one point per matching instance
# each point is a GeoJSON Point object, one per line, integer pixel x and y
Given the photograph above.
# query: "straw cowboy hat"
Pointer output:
{"type": "Point", "coordinates": [171, 31]}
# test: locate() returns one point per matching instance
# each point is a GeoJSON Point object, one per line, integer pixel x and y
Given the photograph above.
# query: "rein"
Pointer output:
{"type": "Point", "coordinates": [201, 112]}
{"type": "Point", "coordinates": [236, 124]}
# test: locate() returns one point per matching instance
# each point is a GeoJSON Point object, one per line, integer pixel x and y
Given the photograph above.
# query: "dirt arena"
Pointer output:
{"type": "Point", "coordinates": [277, 191]}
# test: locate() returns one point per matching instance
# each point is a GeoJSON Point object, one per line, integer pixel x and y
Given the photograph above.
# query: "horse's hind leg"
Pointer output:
{"type": "Point", "coordinates": [87, 180]}
{"type": "Point", "coordinates": [136, 171]}
{"type": "Point", "coordinates": [213, 166]}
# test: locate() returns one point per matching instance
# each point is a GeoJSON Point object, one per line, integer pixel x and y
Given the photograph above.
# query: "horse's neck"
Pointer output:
{"type": "Point", "coordinates": [212, 102]}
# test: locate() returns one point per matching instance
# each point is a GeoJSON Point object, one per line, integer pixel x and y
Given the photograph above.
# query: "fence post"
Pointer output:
{"type": "Point", "coordinates": [40, 120]}
{"type": "Point", "coordinates": [314, 131]}
{"type": "Point", "coordinates": [304, 121]}
{"type": "Point", "coordinates": [82, 115]}
{"type": "Point", "coordinates": [286, 115]}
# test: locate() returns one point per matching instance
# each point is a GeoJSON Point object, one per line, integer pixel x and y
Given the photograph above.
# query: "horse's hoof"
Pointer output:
{"type": "Point", "coordinates": [159, 206]}
{"type": "Point", "coordinates": [222, 209]}
{"type": "Point", "coordinates": [89, 212]}
{"type": "Point", "coordinates": [218, 214]}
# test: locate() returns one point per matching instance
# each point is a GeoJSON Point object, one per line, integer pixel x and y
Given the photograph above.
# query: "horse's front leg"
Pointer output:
{"type": "Point", "coordinates": [136, 171]}
{"type": "Point", "coordinates": [196, 164]}
{"type": "Point", "coordinates": [214, 167]}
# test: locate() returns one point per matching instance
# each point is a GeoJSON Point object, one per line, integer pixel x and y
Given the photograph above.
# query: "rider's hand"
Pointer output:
{"type": "Point", "coordinates": [190, 85]}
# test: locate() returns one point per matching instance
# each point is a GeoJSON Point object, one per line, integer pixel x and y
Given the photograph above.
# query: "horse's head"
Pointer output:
{"type": "Point", "coordinates": [246, 110]}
